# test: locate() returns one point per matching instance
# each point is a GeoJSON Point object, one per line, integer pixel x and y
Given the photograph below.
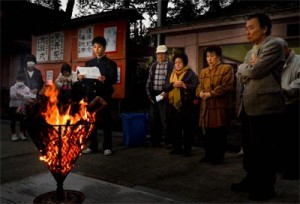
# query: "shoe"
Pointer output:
{"type": "Point", "coordinates": [241, 152]}
{"type": "Point", "coordinates": [175, 152]}
{"type": "Point", "coordinates": [87, 151]}
{"type": "Point", "coordinates": [240, 187]}
{"type": "Point", "coordinates": [205, 160]}
{"type": "Point", "coordinates": [217, 163]}
{"type": "Point", "coordinates": [262, 196]}
{"type": "Point", "coordinates": [107, 152]}
{"type": "Point", "coordinates": [14, 137]}
{"type": "Point", "coordinates": [187, 155]}
{"type": "Point", "coordinates": [169, 146]}
{"type": "Point", "coordinates": [155, 145]}
{"type": "Point", "coordinates": [22, 137]}
{"type": "Point", "coordinates": [290, 176]}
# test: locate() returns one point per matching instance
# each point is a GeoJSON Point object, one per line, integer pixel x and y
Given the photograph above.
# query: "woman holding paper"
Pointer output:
{"type": "Point", "coordinates": [181, 86]}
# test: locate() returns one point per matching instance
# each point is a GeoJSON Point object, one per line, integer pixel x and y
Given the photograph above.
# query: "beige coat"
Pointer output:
{"type": "Point", "coordinates": [262, 93]}
{"type": "Point", "coordinates": [215, 111]}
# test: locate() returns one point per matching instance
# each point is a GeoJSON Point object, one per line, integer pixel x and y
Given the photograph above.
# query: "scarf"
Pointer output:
{"type": "Point", "coordinates": [174, 95]}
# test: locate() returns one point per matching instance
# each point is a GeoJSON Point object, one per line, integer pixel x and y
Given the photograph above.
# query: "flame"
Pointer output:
{"type": "Point", "coordinates": [67, 134]}
{"type": "Point", "coordinates": [54, 117]}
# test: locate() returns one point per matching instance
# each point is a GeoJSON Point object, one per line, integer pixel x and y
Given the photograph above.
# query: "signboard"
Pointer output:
{"type": "Point", "coordinates": [57, 46]}
{"type": "Point", "coordinates": [110, 35]}
{"type": "Point", "coordinates": [42, 48]}
{"type": "Point", "coordinates": [49, 76]}
{"type": "Point", "coordinates": [85, 37]}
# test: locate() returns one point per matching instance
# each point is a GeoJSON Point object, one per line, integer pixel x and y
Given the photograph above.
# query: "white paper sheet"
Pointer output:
{"type": "Point", "coordinates": [159, 97]}
{"type": "Point", "coordinates": [89, 72]}
{"type": "Point", "coordinates": [30, 96]}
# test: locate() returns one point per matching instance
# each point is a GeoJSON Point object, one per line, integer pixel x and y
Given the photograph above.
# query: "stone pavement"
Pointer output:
{"type": "Point", "coordinates": [95, 191]}
{"type": "Point", "coordinates": [132, 175]}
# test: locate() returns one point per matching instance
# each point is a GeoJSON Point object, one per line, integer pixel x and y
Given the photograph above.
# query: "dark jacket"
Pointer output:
{"type": "Point", "coordinates": [188, 95]}
{"type": "Point", "coordinates": [90, 88]}
{"type": "Point", "coordinates": [35, 81]}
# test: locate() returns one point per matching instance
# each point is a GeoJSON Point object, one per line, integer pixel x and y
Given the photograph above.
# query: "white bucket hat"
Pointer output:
{"type": "Point", "coordinates": [161, 49]}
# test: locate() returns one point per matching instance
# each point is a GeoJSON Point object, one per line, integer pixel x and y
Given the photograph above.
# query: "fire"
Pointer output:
{"type": "Point", "coordinates": [66, 136]}
{"type": "Point", "coordinates": [54, 117]}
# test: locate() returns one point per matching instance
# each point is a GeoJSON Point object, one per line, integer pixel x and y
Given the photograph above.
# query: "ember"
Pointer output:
{"type": "Point", "coordinates": [67, 134]}
{"type": "Point", "coordinates": [64, 145]}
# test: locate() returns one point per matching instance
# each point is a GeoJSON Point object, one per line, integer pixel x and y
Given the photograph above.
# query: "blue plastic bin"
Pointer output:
{"type": "Point", "coordinates": [135, 127]}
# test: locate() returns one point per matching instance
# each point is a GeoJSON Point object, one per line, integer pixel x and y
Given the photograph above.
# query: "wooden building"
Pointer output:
{"type": "Point", "coordinates": [54, 40]}
{"type": "Point", "coordinates": [227, 29]}
{"type": "Point", "coordinates": [72, 44]}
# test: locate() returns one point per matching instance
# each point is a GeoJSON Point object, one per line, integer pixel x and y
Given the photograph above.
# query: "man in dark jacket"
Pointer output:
{"type": "Point", "coordinates": [103, 87]}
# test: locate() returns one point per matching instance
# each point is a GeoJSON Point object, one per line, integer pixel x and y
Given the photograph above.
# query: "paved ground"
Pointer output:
{"type": "Point", "coordinates": [150, 173]}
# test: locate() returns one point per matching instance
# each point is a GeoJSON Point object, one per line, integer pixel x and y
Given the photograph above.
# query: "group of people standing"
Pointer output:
{"type": "Point", "coordinates": [29, 82]}
{"type": "Point", "coordinates": [172, 119]}
{"type": "Point", "coordinates": [268, 84]}
{"type": "Point", "coordinates": [73, 87]}
{"type": "Point", "coordinates": [265, 78]}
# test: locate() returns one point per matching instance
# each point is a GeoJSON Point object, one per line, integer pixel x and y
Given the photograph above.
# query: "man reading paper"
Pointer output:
{"type": "Point", "coordinates": [101, 86]}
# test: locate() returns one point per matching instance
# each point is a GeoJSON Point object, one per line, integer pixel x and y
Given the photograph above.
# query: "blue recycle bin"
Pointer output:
{"type": "Point", "coordinates": [135, 127]}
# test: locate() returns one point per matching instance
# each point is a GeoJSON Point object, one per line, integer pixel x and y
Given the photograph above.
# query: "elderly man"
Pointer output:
{"type": "Point", "coordinates": [156, 80]}
{"type": "Point", "coordinates": [290, 83]}
{"type": "Point", "coordinates": [262, 106]}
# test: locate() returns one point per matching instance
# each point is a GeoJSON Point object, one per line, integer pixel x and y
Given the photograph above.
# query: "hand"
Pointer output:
{"type": "Point", "coordinates": [66, 80]}
{"type": "Point", "coordinates": [253, 61]}
{"type": "Point", "coordinates": [286, 93]}
{"type": "Point", "coordinates": [244, 80]}
{"type": "Point", "coordinates": [101, 78]}
{"type": "Point", "coordinates": [150, 99]}
{"type": "Point", "coordinates": [205, 95]}
{"type": "Point", "coordinates": [164, 95]}
{"type": "Point", "coordinates": [201, 94]}
{"type": "Point", "coordinates": [19, 94]}
{"type": "Point", "coordinates": [208, 95]}
{"type": "Point", "coordinates": [34, 91]}
{"type": "Point", "coordinates": [182, 85]}
{"type": "Point", "coordinates": [179, 84]}
{"type": "Point", "coordinates": [29, 100]}
{"type": "Point", "coordinates": [80, 76]}
{"type": "Point", "coordinates": [176, 84]}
